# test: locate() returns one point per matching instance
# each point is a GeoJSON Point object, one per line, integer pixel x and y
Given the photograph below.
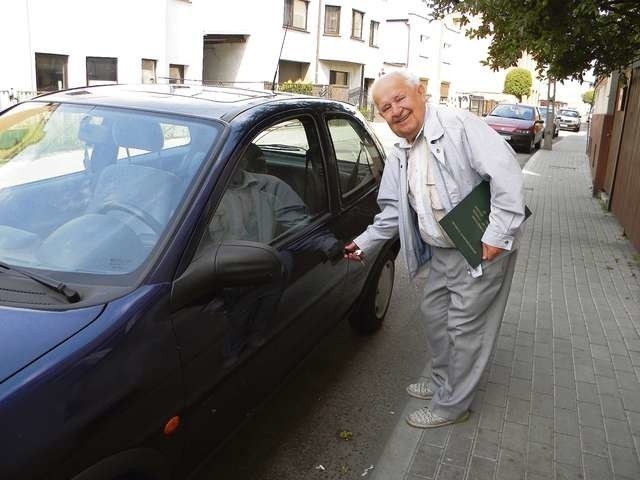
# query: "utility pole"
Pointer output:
{"type": "Point", "coordinates": [551, 113]}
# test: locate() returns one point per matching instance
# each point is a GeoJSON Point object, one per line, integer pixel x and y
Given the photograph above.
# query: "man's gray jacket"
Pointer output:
{"type": "Point", "coordinates": [468, 150]}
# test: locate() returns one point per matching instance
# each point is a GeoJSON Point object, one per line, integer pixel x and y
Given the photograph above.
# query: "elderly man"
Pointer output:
{"type": "Point", "coordinates": [444, 154]}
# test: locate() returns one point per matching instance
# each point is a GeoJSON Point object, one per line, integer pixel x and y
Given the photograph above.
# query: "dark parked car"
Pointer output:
{"type": "Point", "coordinates": [569, 119]}
{"type": "Point", "coordinates": [168, 256]}
{"type": "Point", "coordinates": [519, 124]}
{"type": "Point", "coordinates": [556, 121]}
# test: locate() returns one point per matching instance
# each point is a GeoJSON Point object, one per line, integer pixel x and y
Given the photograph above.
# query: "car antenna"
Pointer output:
{"type": "Point", "coordinates": [275, 73]}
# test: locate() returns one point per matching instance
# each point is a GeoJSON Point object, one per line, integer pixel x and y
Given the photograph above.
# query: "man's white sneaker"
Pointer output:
{"type": "Point", "coordinates": [420, 390]}
{"type": "Point", "coordinates": [425, 418]}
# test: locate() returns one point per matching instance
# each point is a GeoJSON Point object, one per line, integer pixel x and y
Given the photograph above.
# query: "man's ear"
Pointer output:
{"type": "Point", "coordinates": [421, 91]}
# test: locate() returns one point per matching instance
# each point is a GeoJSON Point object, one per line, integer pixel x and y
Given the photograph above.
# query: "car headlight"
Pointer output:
{"type": "Point", "coordinates": [523, 130]}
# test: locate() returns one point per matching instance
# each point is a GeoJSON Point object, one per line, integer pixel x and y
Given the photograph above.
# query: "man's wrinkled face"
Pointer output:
{"type": "Point", "coordinates": [401, 105]}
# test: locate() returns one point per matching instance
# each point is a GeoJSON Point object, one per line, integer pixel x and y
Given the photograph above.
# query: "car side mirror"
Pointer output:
{"type": "Point", "coordinates": [484, 114]}
{"type": "Point", "coordinates": [234, 263]}
{"type": "Point", "coordinates": [540, 122]}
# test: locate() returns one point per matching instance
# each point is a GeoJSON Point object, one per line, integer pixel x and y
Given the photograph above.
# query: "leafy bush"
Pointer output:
{"type": "Point", "coordinates": [298, 86]}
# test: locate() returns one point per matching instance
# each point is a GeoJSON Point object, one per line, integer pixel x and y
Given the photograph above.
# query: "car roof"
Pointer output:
{"type": "Point", "coordinates": [222, 103]}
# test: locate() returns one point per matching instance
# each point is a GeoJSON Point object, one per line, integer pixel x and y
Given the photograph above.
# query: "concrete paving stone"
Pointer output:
{"type": "Point", "coordinates": [633, 345]}
{"type": "Point", "coordinates": [585, 373]}
{"type": "Point", "coordinates": [582, 357]}
{"type": "Point", "coordinates": [522, 370]}
{"type": "Point", "coordinates": [524, 339]}
{"type": "Point", "coordinates": [540, 459]}
{"type": "Point", "coordinates": [392, 475]}
{"type": "Point", "coordinates": [496, 394]}
{"type": "Point", "coordinates": [465, 429]}
{"type": "Point", "coordinates": [622, 363]}
{"type": "Point", "coordinates": [565, 398]}
{"type": "Point", "coordinates": [450, 472]}
{"type": "Point", "coordinates": [492, 417]}
{"type": "Point", "coordinates": [541, 430]}
{"type": "Point", "coordinates": [589, 414]}
{"type": "Point", "coordinates": [487, 443]}
{"type": "Point", "coordinates": [568, 472]}
{"type": "Point", "coordinates": [564, 378]}
{"type": "Point", "coordinates": [500, 374]}
{"type": "Point", "coordinates": [631, 400]}
{"type": "Point", "coordinates": [567, 449]}
{"type": "Point", "coordinates": [510, 465]}
{"type": "Point", "coordinates": [524, 354]}
{"type": "Point", "coordinates": [563, 360]}
{"type": "Point", "coordinates": [543, 365]}
{"type": "Point", "coordinates": [478, 401]}
{"type": "Point", "coordinates": [457, 451]}
{"type": "Point", "coordinates": [625, 462]}
{"type": "Point", "coordinates": [612, 407]}
{"type": "Point", "coordinates": [514, 437]}
{"type": "Point", "coordinates": [508, 330]}
{"type": "Point", "coordinates": [506, 343]}
{"type": "Point", "coordinates": [604, 368]}
{"type": "Point", "coordinates": [520, 388]}
{"type": "Point", "coordinates": [597, 338]}
{"type": "Point", "coordinates": [594, 441]}
{"type": "Point", "coordinates": [628, 381]}
{"type": "Point", "coordinates": [560, 345]}
{"type": "Point", "coordinates": [503, 357]}
{"type": "Point", "coordinates": [436, 437]}
{"type": "Point", "coordinates": [543, 349]}
{"type": "Point", "coordinates": [634, 422]}
{"type": "Point", "coordinates": [596, 467]}
{"type": "Point", "coordinates": [635, 358]}
{"type": "Point", "coordinates": [618, 432]}
{"type": "Point", "coordinates": [542, 405]}
{"type": "Point", "coordinates": [608, 386]}
{"type": "Point", "coordinates": [619, 347]}
{"type": "Point", "coordinates": [566, 421]}
{"type": "Point", "coordinates": [518, 410]}
{"type": "Point", "coordinates": [425, 461]}
{"type": "Point", "coordinates": [542, 382]}
{"type": "Point", "coordinates": [587, 392]}
{"type": "Point", "coordinates": [481, 469]}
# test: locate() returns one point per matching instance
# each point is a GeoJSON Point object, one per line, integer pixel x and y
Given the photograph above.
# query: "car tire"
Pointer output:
{"type": "Point", "coordinates": [532, 145]}
{"type": "Point", "coordinates": [539, 144]}
{"type": "Point", "coordinates": [369, 315]}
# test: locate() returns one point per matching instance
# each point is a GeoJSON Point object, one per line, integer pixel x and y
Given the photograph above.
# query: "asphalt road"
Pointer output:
{"type": "Point", "coordinates": [332, 419]}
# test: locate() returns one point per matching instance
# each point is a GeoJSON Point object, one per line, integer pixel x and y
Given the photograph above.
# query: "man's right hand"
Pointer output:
{"type": "Point", "coordinates": [350, 250]}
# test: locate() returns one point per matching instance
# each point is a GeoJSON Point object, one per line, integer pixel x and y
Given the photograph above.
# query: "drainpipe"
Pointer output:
{"type": "Point", "coordinates": [315, 77]}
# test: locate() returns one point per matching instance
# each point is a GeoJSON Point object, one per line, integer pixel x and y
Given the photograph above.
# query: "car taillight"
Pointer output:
{"type": "Point", "coordinates": [524, 130]}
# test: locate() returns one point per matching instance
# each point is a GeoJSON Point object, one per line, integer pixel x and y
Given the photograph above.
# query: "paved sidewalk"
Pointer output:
{"type": "Point", "coordinates": [561, 398]}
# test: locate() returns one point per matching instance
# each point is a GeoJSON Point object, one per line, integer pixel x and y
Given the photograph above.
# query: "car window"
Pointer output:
{"type": "Point", "coordinates": [91, 190]}
{"type": "Point", "coordinates": [514, 111]}
{"type": "Point", "coordinates": [569, 113]}
{"type": "Point", "coordinates": [358, 160]}
{"type": "Point", "coordinates": [277, 186]}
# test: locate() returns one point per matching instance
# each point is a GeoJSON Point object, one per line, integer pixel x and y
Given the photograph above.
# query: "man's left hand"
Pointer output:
{"type": "Point", "coordinates": [489, 252]}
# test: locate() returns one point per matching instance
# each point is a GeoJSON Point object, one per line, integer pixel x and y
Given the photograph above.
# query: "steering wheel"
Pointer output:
{"type": "Point", "coordinates": [140, 214]}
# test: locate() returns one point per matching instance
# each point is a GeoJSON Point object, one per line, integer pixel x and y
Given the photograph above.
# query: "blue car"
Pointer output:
{"type": "Point", "coordinates": [167, 255]}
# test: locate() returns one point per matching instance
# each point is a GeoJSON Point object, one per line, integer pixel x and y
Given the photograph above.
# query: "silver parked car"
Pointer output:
{"type": "Point", "coordinates": [569, 119]}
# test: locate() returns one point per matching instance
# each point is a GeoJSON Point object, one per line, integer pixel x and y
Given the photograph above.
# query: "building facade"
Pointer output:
{"type": "Point", "coordinates": [341, 46]}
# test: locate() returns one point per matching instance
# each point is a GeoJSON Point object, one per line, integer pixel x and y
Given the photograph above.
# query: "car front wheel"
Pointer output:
{"type": "Point", "coordinates": [368, 317]}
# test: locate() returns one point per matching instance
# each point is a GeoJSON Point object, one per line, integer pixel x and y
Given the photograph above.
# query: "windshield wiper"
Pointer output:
{"type": "Point", "coordinates": [69, 293]}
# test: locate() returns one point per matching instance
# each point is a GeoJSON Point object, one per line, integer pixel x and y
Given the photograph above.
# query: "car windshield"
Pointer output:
{"type": "Point", "coordinates": [89, 189]}
{"type": "Point", "coordinates": [569, 113]}
{"type": "Point", "coordinates": [513, 111]}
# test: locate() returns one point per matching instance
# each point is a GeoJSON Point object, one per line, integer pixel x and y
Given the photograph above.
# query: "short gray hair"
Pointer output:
{"type": "Point", "coordinates": [409, 77]}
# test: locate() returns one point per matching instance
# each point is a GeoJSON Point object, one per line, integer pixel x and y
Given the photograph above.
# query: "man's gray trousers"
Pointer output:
{"type": "Point", "coordinates": [462, 316]}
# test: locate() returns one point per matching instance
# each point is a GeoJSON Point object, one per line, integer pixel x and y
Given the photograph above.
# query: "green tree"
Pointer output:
{"type": "Point", "coordinates": [518, 82]}
{"type": "Point", "coordinates": [587, 97]}
{"type": "Point", "coordinates": [566, 38]}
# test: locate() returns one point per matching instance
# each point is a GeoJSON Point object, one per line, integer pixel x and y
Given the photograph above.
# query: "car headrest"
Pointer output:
{"type": "Point", "coordinates": [92, 133]}
{"type": "Point", "coordinates": [138, 133]}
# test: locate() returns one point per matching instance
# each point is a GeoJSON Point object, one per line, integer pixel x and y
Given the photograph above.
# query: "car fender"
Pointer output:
{"type": "Point", "coordinates": [143, 462]}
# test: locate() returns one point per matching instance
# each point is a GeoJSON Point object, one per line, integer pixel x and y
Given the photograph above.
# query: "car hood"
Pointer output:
{"type": "Point", "coordinates": [28, 334]}
{"type": "Point", "coordinates": [504, 123]}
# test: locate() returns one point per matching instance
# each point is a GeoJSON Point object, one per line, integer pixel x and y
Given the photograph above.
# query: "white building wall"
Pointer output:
{"type": "Point", "coordinates": [128, 31]}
